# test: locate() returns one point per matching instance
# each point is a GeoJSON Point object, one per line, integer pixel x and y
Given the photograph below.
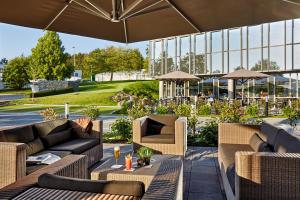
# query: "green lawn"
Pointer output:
{"type": "Point", "coordinates": [89, 94]}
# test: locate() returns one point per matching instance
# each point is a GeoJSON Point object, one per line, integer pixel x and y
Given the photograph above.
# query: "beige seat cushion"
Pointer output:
{"type": "Point", "coordinates": [160, 139]}
{"type": "Point", "coordinates": [227, 153]}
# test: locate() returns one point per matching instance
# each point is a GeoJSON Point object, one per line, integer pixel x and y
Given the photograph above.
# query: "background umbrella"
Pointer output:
{"type": "Point", "coordinates": [138, 20]}
{"type": "Point", "coordinates": [244, 75]}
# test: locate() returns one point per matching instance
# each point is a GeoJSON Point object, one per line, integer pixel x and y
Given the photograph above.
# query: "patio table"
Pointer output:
{"type": "Point", "coordinates": [144, 174]}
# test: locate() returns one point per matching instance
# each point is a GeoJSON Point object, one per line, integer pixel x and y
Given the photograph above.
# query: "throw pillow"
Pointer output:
{"type": "Point", "coordinates": [85, 124]}
{"type": "Point", "coordinates": [21, 134]}
{"type": "Point", "coordinates": [57, 138]}
{"type": "Point", "coordinates": [34, 146]}
{"type": "Point", "coordinates": [154, 127]}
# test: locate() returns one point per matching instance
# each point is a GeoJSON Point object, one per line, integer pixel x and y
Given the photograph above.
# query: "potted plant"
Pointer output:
{"type": "Point", "coordinates": [144, 154]}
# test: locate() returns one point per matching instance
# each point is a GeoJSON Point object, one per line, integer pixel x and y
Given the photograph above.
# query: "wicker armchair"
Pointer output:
{"type": "Point", "coordinates": [259, 175]}
{"type": "Point", "coordinates": [171, 139]}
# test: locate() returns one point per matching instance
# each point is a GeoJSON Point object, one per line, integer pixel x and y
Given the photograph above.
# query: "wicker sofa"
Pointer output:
{"type": "Point", "coordinates": [168, 138]}
{"type": "Point", "coordinates": [59, 137]}
{"type": "Point", "coordinates": [259, 162]}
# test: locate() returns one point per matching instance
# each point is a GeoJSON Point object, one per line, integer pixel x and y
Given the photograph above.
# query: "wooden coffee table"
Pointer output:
{"type": "Point", "coordinates": [144, 174]}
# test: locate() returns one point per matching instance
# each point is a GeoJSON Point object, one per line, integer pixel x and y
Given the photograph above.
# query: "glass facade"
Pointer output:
{"type": "Point", "coordinates": [272, 47]}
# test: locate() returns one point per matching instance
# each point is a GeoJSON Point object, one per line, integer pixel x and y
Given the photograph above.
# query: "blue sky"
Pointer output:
{"type": "Point", "coordinates": [17, 40]}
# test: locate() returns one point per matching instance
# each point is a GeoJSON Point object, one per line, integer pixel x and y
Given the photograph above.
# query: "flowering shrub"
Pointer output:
{"type": "Point", "coordinates": [49, 114]}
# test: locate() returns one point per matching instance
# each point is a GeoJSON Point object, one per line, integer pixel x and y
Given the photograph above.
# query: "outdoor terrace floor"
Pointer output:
{"type": "Point", "coordinates": [202, 180]}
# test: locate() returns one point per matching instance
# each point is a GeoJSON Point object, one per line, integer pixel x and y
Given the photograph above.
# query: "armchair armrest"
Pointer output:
{"type": "Point", "coordinates": [12, 162]}
{"type": "Point", "coordinates": [139, 128]}
{"type": "Point", "coordinates": [181, 134]}
{"type": "Point", "coordinates": [236, 133]}
{"type": "Point", "coordinates": [267, 175]}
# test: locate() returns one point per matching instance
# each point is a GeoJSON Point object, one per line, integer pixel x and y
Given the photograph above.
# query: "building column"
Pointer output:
{"type": "Point", "coordinates": [186, 86]}
{"type": "Point", "coordinates": [161, 89]}
{"type": "Point", "coordinates": [231, 88]}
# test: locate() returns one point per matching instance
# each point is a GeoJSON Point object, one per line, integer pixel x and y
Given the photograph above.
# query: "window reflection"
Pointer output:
{"type": "Point", "coordinates": [277, 33]}
{"type": "Point", "coordinates": [185, 56]}
{"type": "Point", "coordinates": [234, 39]}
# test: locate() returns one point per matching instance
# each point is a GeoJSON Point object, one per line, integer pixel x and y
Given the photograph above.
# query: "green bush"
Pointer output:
{"type": "Point", "coordinates": [252, 110]}
{"type": "Point", "coordinates": [192, 122]}
{"type": "Point", "coordinates": [138, 110]}
{"type": "Point", "coordinates": [53, 92]}
{"type": "Point", "coordinates": [231, 113]}
{"type": "Point", "coordinates": [208, 136]}
{"type": "Point", "coordinates": [204, 110]}
{"type": "Point", "coordinates": [162, 110]}
{"type": "Point", "coordinates": [92, 112]}
{"type": "Point", "coordinates": [217, 106]}
{"type": "Point", "coordinates": [183, 110]}
{"type": "Point", "coordinates": [292, 114]}
{"type": "Point", "coordinates": [149, 89]}
{"type": "Point", "coordinates": [123, 127]}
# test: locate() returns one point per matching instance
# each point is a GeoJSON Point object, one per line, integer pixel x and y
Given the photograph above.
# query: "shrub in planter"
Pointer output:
{"type": "Point", "coordinates": [137, 111]}
{"type": "Point", "coordinates": [252, 110]}
{"type": "Point", "coordinates": [92, 112]}
{"type": "Point", "coordinates": [292, 114]}
{"type": "Point", "coordinates": [183, 110]}
{"type": "Point", "coordinates": [49, 114]}
{"type": "Point", "coordinates": [209, 134]}
{"type": "Point", "coordinates": [162, 110]}
{"type": "Point", "coordinates": [192, 122]}
{"type": "Point", "coordinates": [217, 106]}
{"type": "Point", "coordinates": [204, 110]}
{"type": "Point", "coordinates": [231, 113]}
{"type": "Point", "coordinates": [144, 154]}
{"type": "Point", "coordinates": [123, 127]}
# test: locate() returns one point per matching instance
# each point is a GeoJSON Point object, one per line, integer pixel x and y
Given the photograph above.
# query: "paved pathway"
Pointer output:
{"type": "Point", "coordinates": [202, 179]}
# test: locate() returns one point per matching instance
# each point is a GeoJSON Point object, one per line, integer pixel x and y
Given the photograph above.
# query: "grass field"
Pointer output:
{"type": "Point", "coordinates": [89, 94]}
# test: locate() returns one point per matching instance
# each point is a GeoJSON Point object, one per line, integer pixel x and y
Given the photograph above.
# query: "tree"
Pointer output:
{"type": "Point", "coordinates": [49, 59]}
{"type": "Point", "coordinates": [3, 61]}
{"type": "Point", "coordinates": [113, 59]}
{"type": "Point", "coordinates": [15, 73]}
{"type": "Point", "coordinates": [263, 65]}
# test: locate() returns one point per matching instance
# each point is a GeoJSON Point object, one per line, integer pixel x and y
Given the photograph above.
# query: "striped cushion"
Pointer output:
{"type": "Point", "coordinates": [52, 194]}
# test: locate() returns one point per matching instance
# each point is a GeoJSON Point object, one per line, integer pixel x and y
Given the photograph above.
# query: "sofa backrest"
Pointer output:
{"type": "Point", "coordinates": [45, 128]}
{"type": "Point", "coordinates": [286, 143]}
{"type": "Point", "coordinates": [268, 133]}
{"type": "Point", "coordinates": [168, 121]}
{"type": "Point", "coordinates": [282, 141]}
{"type": "Point", "coordinates": [22, 134]}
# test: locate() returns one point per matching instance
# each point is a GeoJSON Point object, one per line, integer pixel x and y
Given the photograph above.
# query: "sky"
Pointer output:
{"type": "Point", "coordinates": [17, 40]}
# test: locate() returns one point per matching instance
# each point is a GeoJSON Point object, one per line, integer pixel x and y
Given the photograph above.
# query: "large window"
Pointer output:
{"type": "Point", "coordinates": [200, 54]}
{"type": "Point", "coordinates": [267, 47]}
{"type": "Point", "coordinates": [171, 55]}
{"type": "Point", "coordinates": [185, 54]}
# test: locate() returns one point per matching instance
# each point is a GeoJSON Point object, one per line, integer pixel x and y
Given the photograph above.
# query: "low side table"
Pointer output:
{"type": "Point", "coordinates": [144, 174]}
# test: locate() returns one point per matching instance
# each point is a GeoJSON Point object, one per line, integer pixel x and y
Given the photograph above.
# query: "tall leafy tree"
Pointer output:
{"type": "Point", "coordinates": [49, 59]}
{"type": "Point", "coordinates": [3, 61]}
{"type": "Point", "coordinates": [15, 73]}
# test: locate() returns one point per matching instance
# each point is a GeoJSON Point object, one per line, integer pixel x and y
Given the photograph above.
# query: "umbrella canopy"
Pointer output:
{"type": "Point", "coordinates": [245, 74]}
{"type": "Point", "coordinates": [177, 76]}
{"type": "Point", "coordinates": [138, 20]}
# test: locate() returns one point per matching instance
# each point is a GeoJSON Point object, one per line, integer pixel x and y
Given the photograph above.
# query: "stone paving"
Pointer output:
{"type": "Point", "coordinates": [202, 180]}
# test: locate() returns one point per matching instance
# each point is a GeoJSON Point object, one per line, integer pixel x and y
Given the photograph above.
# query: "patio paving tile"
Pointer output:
{"type": "Point", "coordinates": [204, 179]}
{"type": "Point", "coordinates": [205, 196]}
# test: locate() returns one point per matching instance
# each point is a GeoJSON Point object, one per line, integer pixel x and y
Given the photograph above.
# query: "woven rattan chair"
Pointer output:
{"type": "Point", "coordinates": [170, 140]}
{"type": "Point", "coordinates": [259, 175]}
